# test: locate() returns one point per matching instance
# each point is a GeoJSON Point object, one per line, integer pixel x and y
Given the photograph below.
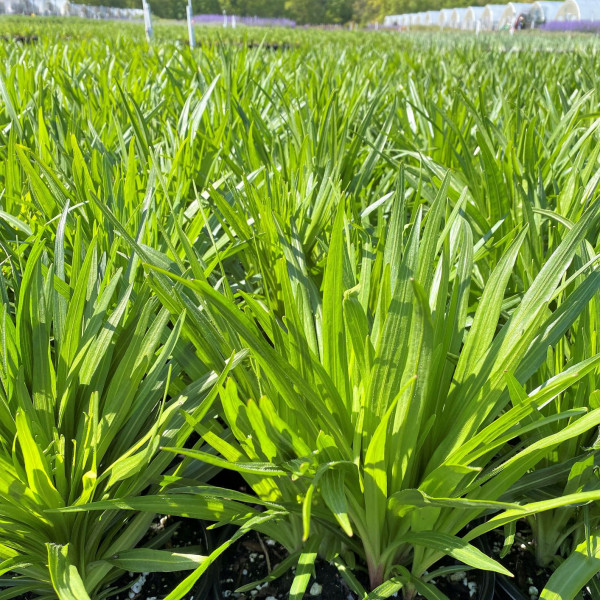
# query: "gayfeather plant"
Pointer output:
{"type": "Point", "coordinates": [390, 414]}
{"type": "Point", "coordinates": [89, 384]}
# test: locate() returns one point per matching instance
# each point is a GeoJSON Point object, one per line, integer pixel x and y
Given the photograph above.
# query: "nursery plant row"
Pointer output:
{"type": "Point", "coordinates": [339, 289]}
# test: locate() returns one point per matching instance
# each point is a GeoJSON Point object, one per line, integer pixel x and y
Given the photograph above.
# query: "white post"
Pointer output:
{"type": "Point", "coordinates": [191, 25]}
{"type": "Point", "coordinates": [224, 19]}
{"type": "Point", "coordinates": [147, 20]}
{"type": "Point", "coordinates": [233, 21]}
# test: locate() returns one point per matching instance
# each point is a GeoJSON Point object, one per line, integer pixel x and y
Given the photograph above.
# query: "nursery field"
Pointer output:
{"type": "Point", "coordinates": [298, 314]}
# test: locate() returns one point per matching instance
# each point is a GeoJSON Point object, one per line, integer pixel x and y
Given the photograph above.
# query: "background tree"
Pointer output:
{"type": "Point", "coordinates": [365, 11]}
{"type": "Point", "coordinates": [339, 11]}
{"type": "Point", "coordinates": [207, 7]}
{"type": "Point", "coordinates": [306, 11]}
{"type": "Point", "coordinates": [265, 8]}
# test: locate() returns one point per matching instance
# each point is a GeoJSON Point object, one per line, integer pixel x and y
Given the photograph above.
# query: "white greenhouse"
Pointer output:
{"type": "Point", "coordinates": [543, 12]}
{"type": "Point", "coordinates": [457, 18]}
{"type": "Point", "coordinates": [490, 17]}
{"type": "Point", "coordinates": [473, 17]}
{"type": "Point", "coordinates": [445, 17]}
{"type": "Point", "coordinates": [421, 18]}
{"type": "Point", "coordinates": [76, 10]}
{"type": "Point", "coordinates": [579, 10]}
{"type": "Point", "coordinates": [20, 7]}
{"type": "Point", "coordinates": [512, 11]}
{"type": "Point", "coordinates": [64, 7]}
{"type": "Point", "coordinates": [39, 7]}
{"type": "Point", "coordinates": [432, 18]}
{"type": "Point", "coordinates": [393, 20]}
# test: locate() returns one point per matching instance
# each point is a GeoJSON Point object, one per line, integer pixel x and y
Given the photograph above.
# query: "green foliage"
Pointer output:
{"type": "Point", "coordinates": [85, 400]}
{"type": "Point", "coordinates": [371, 379]}
{"type": "Point", "coordinates": [362, 277]}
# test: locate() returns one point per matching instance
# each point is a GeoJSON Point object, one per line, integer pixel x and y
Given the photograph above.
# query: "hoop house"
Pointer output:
{"type": "Point", "coordinates": [52, 7]}
{"type": "Point", "coordinates": [392, 20]}
{"type": "Point", "coordinates": [472, 17]}
{"type": "Point", "coordinates": [445, 15]}
{"type": "Point", "coordinates": [512, 11]}
{"type": "Point", "coordinates": [579, 10]}
{"type": "Point", "coordinates": [421, 18]}
{"type": "Point", "coordinates": [542, 12]}
{"type": "Point", "coordinates": [38, 7]}
{"type": "Point", "coordinates": [457, 18]}
{"type": "Point", "coordinates": [432, 18]}
{"type": "Point", "coordinates": [490, 17]}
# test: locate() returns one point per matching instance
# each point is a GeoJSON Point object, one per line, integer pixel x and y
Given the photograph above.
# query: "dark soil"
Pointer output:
{"type": "Point", "coordinates": [249, 560]}
{"type": "Point", "coordinates": [21, 38]}
{"type": "Point", "coordinates": [254, 557]}
{"type": "Point", "coordinates": [266, 46]}
{"type": "Point", "coordinates": [157, 585]}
